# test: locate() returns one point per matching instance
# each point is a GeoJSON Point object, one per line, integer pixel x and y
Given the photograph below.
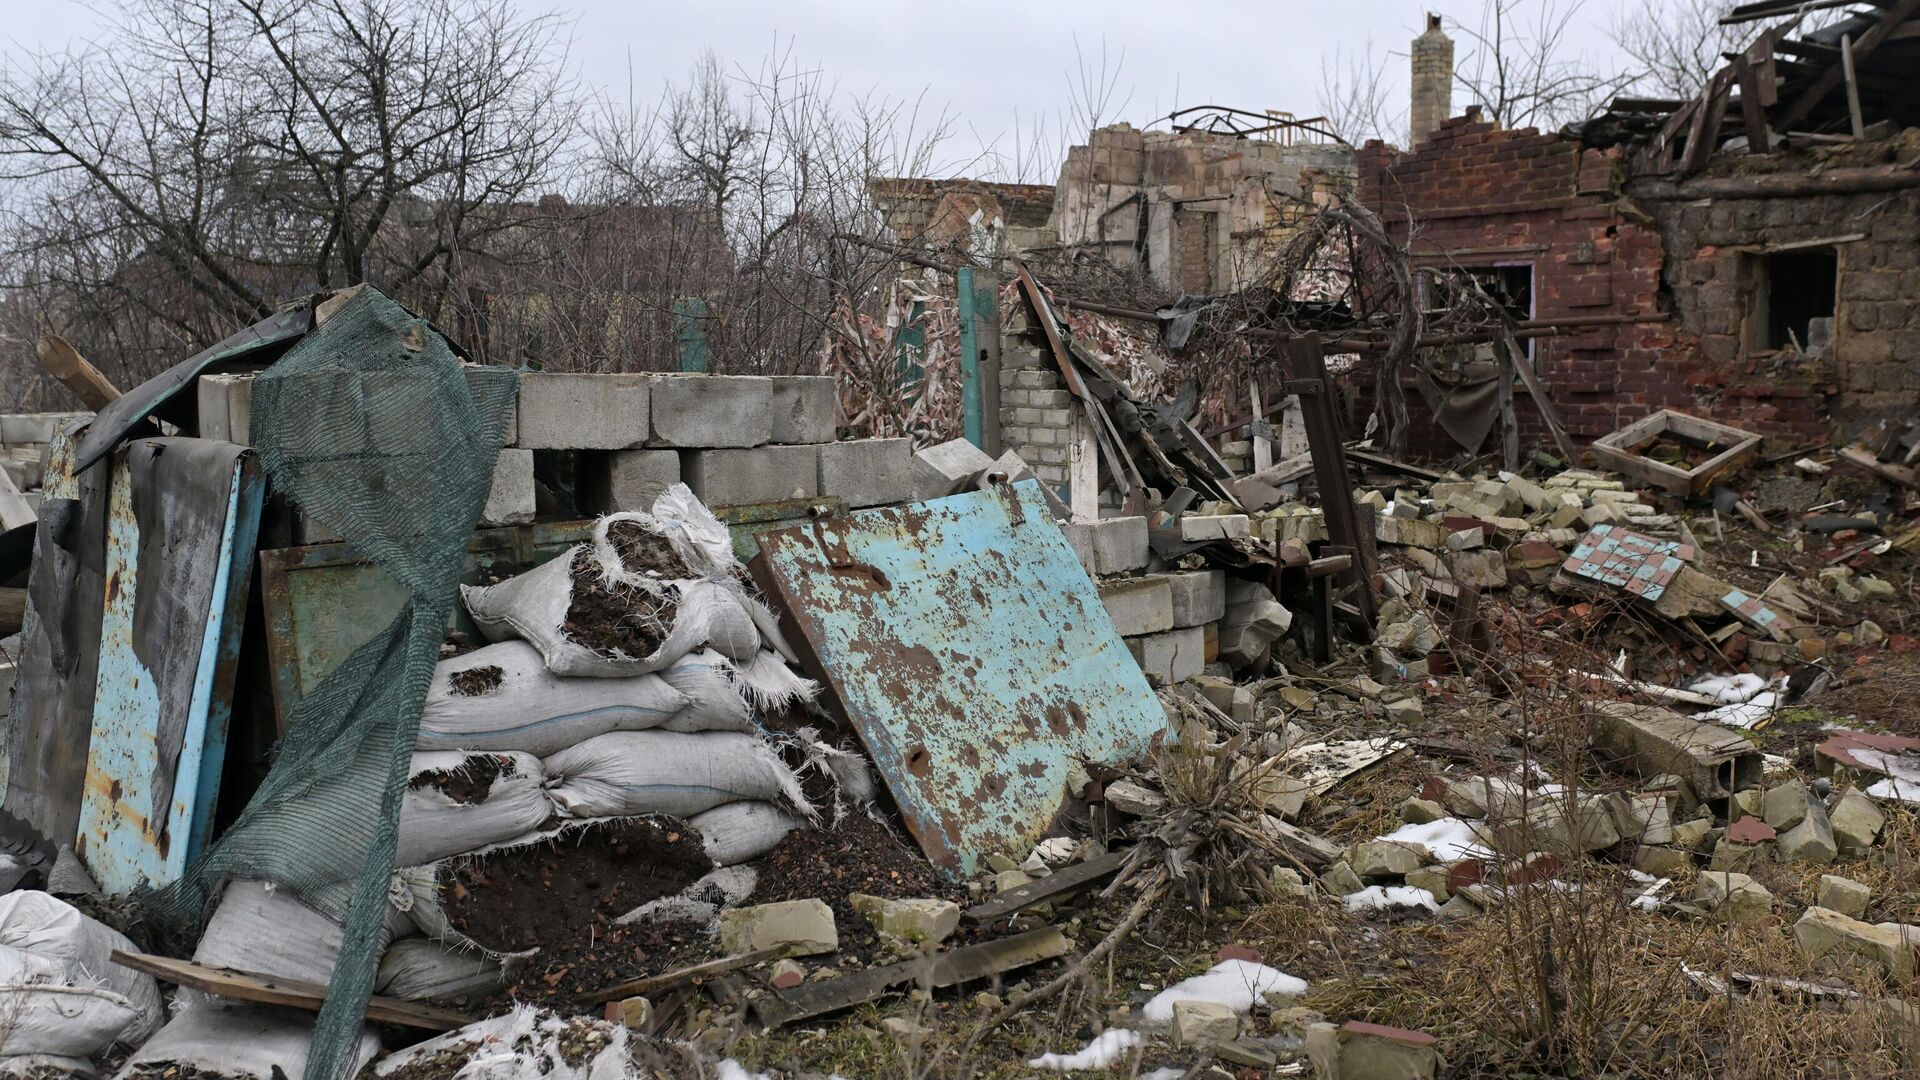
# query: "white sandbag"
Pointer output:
{"type": "Point", "coordinates": [435, 824]}
{"type": "Point", "coordinates": [707, 609]}
{"type": "Point", "coordinates": [715, 701]}
{"type": "Point", "coordinates": [631, 773]}
{"type": "Point", "coordinates": [524, 1043]}
{"type": "Point", "coordinates": [236, 1039]}
{"type": "Point", "coordinates": [742, 831]}
{"type": "Point", "coordinates": [266, 930]}
{"type": "Point", "coordinates": [51, 929]}
{"type": "Point", "coordinates": [419, 969]}
{"type": "Point", "coordinates": [48, 1009]}
{"type": "Point", "coordinates": [532, 709]}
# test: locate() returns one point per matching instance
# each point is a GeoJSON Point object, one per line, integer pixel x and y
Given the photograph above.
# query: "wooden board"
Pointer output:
{"type": "Point", "coordinates": [294, 993]}
{"type": "Point", "coordinates": [1621, 450]}
{"type": "Point", "coordinates": [944, 969]}
{"type": "Point", "coordinates": [1067, 879]}
{"type": "Point", "coordinates": [694, 973]}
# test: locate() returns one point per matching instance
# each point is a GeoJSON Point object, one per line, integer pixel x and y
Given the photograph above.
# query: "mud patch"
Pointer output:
{"type": "Point", "coordinates": [468, 784]}
{"type": "Point", "coordinates": [860, 855]}
{"type": "Point", "coordinates": [562, 898]}
{"type": "Point", "coordinates": [628, 623]}
{"type": "Point", "coordinates": [475, 681]}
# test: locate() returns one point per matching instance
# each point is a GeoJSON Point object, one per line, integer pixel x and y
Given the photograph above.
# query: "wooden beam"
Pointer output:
{"type": "Point", "coordinates": [1830, 78]}
{"type": "Point", "coordinates": [1853, 87]}
{"type": "Point", "coordinates": [942, 969]}
{"type": "Point", "coordinates": [1752, 110]}
{"type": "Point", "coordinates": [65, 363]}
{"type": "Point", "coordinates": [294, 993]}
{"type": "Point", "coordinates": [693, 973]}
{"type": "Point", "coordinates": [1066, 879]}
{"type": "Point", "coordinates": [1885, 470]}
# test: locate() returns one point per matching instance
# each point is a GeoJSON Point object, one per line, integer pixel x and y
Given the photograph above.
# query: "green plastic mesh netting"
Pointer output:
{"type": "Point", "coordinates": [372, 426]}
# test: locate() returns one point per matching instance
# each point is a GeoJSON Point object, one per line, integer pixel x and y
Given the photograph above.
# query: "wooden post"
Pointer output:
{"type": "Point", "coordinates": [1083, 471]}
{"type": "Point", "coordinates": [1258, 428]}
{"type": "Point", "coordinates": [65, 363]}
{"type": "Point", "coordinates": [1853, 87]}
{"type": "Point", "coordinates": [979, 315]}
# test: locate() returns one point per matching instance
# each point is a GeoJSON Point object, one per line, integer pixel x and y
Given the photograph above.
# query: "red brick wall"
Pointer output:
{"type": "Point", "coordinates": [1484, 196]}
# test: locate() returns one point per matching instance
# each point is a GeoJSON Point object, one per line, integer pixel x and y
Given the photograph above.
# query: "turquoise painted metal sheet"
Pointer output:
{"type": "Point", "coordinates": [182, 520]}
{"type": "Point", "coordinates": [968, 647]}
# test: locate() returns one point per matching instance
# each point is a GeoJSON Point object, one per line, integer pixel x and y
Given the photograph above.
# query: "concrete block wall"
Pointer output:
{"type": "Point", "coordinates": [1169, 620]}
{"type": "Point", "coordinates": [1035, 420]}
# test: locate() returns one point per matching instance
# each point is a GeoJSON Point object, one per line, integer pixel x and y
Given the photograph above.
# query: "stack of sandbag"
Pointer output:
{"type": "Point", "coordinates": [64, 1003]}
{"type": "Point", "coordinates": [621, 682]}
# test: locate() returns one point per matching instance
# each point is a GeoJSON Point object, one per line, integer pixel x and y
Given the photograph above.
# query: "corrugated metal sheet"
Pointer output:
{"type": "Point", "coordinates": [968, 647]}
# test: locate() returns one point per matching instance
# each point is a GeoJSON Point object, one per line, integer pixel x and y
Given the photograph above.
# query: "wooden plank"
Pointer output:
{"type": "Point", "coordinates": [1064, 880]}
{"type": "Point", "coordinates": [65, 363]}
{"type": "Point", "coordinates": [1886, 470]}
{"type": "Point", "coordinates": [1548, 411]}
{"type": "Point", "coordinates": [1704, 137]}
{"type": "Point", "coordinates": [950, 968]}
{"type": "Point", "coordinates": [1830, 77]}
{"type": "Point", "coordinates": [693, 973]}
{"type": "Point", "coordinates": [1854, 114]}
{"type": "Point", "coordinates": [1753, 112]}
{"type": "Point", "coordinates": [294, 993]}
{"type": "Point", "coordinates": [13, 610]}
{"type": "Point", "coordinates": [1050, 326]}
{"type": "Point", "coordinates": [1257, 429]}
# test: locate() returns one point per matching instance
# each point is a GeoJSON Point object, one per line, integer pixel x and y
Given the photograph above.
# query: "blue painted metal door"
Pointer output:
{"type": "Point", "coordinates": [182, 521]}
{"type": "Point", "coordinates": [969, 649]}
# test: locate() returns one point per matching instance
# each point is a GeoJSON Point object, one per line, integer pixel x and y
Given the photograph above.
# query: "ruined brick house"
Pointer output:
{"type": "Point", "coordinates": [1789, 277]}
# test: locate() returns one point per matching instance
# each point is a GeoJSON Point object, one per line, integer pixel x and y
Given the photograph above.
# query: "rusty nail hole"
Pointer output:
{"type": "Point", "coordinates": [995, 785]}
{"type": "Point", "coordinates": [918, 762]}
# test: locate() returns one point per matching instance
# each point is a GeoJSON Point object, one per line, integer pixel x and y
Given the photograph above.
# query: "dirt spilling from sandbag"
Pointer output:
{"type": "Point", "coordinates": [171, 1071]}
{"type": "Point", "coordinates": [468, 784]}
{"type": "Point", "coordinates": [612, 620]}
{"type": "Point", "coordinates": [646, 551]}
{"type": "Point", "coordinates": [579, 1041]}
{"type": "Point", "coordinates": [476, 681]}
{"type": "Point", "coordinates": [562, 898]}
{"type": "Point", "coordinates": [859, 855]}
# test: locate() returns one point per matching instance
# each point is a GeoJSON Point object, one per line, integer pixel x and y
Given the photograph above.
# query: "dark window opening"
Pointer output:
{"type": "Point", "coordinates": [1795, 288]}
{"type": "Point", "coordinates": [1510, 286]}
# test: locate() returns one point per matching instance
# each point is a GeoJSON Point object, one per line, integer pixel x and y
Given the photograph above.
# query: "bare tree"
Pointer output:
{"type": "Point", "coordinates": [1675, 46]}
{"type": "Point", "coordinates": [210, 158]}
{"type": "Point", "coordinates": [1357, 97]}
{"type": "Point", "coordinates": [1522, 67]}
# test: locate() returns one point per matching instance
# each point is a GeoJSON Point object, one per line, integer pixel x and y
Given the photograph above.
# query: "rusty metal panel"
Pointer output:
{"type": "Point", "coordinates": [182, 519]}
{"type": "Point", "coordinates": [969, 649]}
{"type": "Point", "coordinates": [324, 601]}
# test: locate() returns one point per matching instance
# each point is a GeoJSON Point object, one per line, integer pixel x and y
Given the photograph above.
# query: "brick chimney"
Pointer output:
{"type": "Point", "coordinates": [1432, 82]}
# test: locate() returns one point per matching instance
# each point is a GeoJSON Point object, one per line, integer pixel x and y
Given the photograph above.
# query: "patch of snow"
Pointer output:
{"type": "Point", "coordinates": [1165, 1072]}
{"type": "Point", "coordinates": [1744, 714]}
{"type": "Point", "coordinates": [733, 1070]}
{"type": "Point", "coordinates": [1449, 838]}
{"type": "Point", "coordinates": [1897, 790]}
{"type": "Point", "coordinates": [1730, 689]}
{"type": "Point", "coordinates": [1106, 1048]}
{"type": "Point", "coordinates": [1237, 984]}
{"type": "Point", "coordinates": [1381, 897]}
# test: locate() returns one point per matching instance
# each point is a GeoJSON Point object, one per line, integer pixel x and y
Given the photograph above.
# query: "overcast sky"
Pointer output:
{"type": "Point", "coordinates": [987, 64]}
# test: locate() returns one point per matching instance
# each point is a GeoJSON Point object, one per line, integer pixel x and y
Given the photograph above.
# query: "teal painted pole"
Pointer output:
{"type": "Point", "coordinates": [690, 326]}
{"type": "Point", "coordinates": [972, 390]}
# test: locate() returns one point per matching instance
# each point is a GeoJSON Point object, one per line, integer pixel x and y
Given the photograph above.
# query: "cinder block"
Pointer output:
{"type": "Point", "coordinates": [632, 479]}
{"type": "Point", "coordinates": [942, 470]}
{"type": "Point", "coordinates": [1170, 657]}
{"type": "Point", "coordinates": [1195, 528]}
{"type": "Point", "coordinates": [510, 500]}
{"type": "Point", "coordinates": [762, 474]}
{"type": "Point", "coordinates": [1199, 597]}
{"type": "Point", "coordinates": [806, 409]}
{"type": "Point", "coordinates": [868, 472]}
{"type": "Point", "coordinates": [565, 411]}
{"type": "Point", "coordinates": [1119, 544]}
{"type": "Point", "coordinates": [1079, 536]}
{"type": "Point", "coordinates": [18, 428]}
{"type": "Point", "coordinates": [1142, 605]}
{"type": "Point", "coordinates": [692, 411]}
{"type": "Point", "coordinates": [225, 404]}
